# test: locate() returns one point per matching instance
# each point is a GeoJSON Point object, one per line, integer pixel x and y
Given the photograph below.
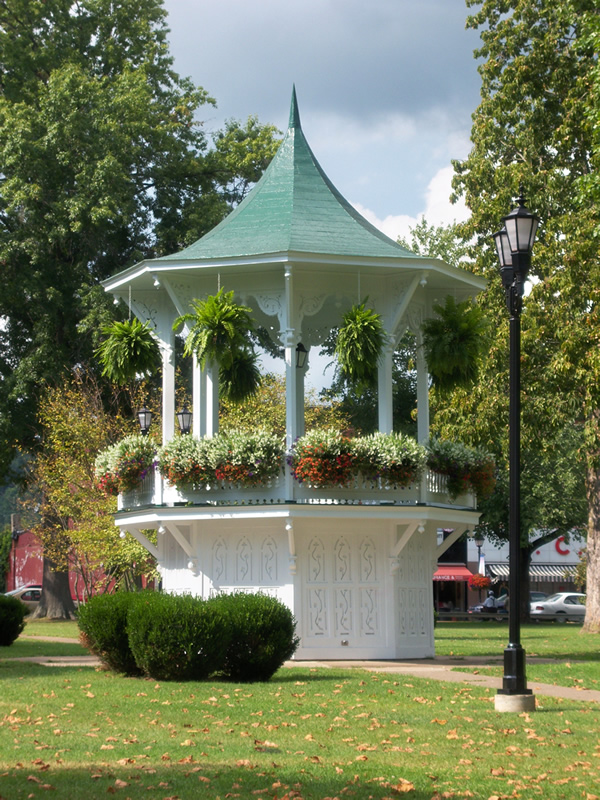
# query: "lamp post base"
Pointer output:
{"type": "Point", "coordinates": [515, 703]}
{"type": "Point", "coordinates": [514, 695]}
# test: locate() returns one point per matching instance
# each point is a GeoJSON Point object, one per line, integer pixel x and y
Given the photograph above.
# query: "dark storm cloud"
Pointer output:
{"type": "Point", "coordinates": [354, 57]}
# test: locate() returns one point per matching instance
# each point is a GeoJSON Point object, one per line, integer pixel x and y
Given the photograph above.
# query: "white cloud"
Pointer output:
{"type": "Point", "coordinates": [438, 209]}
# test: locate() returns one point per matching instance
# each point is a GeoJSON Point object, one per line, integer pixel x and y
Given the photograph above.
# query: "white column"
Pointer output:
{"type": "Point", "coordinates": [168, 389]}
{"type": "Point", "coordinates": [198, 400]}
{"type": "Point", "coordinates": [300, 379]}
{"type": "Point", "coordinates": [385, 391]}
{"type": "Point", "coordinates": [291, 390]}
{"type": "Point", "coordinates": [212, 400]}
{"type": "Point", "coordinates": [422, 393]}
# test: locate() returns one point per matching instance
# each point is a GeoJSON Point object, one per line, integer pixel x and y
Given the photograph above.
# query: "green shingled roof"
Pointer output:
{"type": "Point", "coordinates": [293, 208]}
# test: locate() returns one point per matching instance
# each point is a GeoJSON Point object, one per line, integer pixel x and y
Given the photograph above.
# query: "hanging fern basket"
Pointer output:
{"type": "Point", "coordinates": [359, 346]}
{"type": "Point", "coordinates": [129, 350]}
{"type": "Point", "coordinates": [454, 343]}
{"type": "Point", "coordinates": [219, 334]}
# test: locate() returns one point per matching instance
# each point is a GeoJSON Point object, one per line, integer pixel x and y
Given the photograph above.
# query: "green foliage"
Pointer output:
{"type": "Point", "coordinates": [442, 241]}
{"type": "Point", "coordinates": [244, 637]}
{"type": "Point", "coordinates": [465, 468]}
{"type": "Point", "coordinates": [359, 346]}
{"type": "Point", "coordinates": [5, 548]}
{"type": "Point", "coordinates": [220, 334]}
{"type": "Point", "coordinates": [177, 637]}
{"type": "Point", "coordinates": [240, 377]}
{"type": "Point", "coordinates": [71, 515]}
{"type": "Point", "coordinates": [242, 154]}
{"type": "Point", "coordinates": [262, 636]}
{"type": "Point", "coordinates": [103, 625]}
{"type": "Point", "coordinates": [536, 125]}
{"type": "Point", "coordinates": [128, 350]}
{"type": "Point", "coordinates": [266, 409]}
{"type": "Point", "coordinates": [394, 458]}
{"type": "Point", "coordinates": [454, 343]}
{"type": "Point", "coordinates": [12, 619]}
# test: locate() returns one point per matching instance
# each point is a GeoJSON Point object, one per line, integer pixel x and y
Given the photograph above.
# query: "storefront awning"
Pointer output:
{"type": "Point", "coordinates": [537, 572]}
{"type": "Point", "coordinates": [452, 572]}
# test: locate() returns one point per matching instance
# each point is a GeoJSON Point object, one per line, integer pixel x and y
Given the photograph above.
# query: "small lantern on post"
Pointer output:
{"type": "Point", "coordinates": [301, 355]}
{"type": "Point", "coordinates": [144, 416]}
{"type": "Point", "coordinates": [184, 418]}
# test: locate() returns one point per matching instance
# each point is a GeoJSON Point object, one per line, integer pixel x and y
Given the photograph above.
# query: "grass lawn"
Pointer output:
{"type": "Point", "coordinates": [546, 640]}
{"type": "Point", "coordinates": [308, 733]}
{"type": "Point", "coordinates": [51, 627]}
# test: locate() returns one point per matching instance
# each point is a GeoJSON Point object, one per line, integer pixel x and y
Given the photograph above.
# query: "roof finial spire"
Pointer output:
{"type": "Point", "coordinates": [294, 113]}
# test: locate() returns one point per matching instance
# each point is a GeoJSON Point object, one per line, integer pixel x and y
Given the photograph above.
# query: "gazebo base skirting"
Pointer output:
{"type": "Point", "coordinates": [357, 578]}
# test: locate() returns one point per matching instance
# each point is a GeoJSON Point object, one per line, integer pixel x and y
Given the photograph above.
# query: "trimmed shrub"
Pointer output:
{"type": "Point", "coordinates": [263, 635]}
{"type": "Point", "coordinates": [103, 629]}
{"type": "Point", "coordinates": [177, 637]}
{"type": "Point", "coordinates": [12, 619]}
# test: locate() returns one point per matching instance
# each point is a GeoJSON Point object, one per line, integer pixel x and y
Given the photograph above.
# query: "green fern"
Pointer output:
{"type": "Point", "coordinates": [219, 326]}
{"type": "Point", "coordinates": [239, 378]}
{"type": "Point", "coordinates": [220, 334]}
{"type": "Point", "coordinates": [129, 350]}
{"type": "Point", "coordinates": [359, 346]}
{"type": "Point", "coordinates": [454, 343]}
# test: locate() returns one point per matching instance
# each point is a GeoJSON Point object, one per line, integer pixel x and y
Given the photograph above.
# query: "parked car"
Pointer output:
{"type": "Point", "coordinates": [567, 605]}
{"type": "Point", "coordinates": [28, 595]}
{"type": "Point", "coordinates": [535, 596]}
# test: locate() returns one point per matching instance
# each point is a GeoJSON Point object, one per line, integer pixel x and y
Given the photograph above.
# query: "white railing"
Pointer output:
{"type": "Point", "coordinates": [432, 490]}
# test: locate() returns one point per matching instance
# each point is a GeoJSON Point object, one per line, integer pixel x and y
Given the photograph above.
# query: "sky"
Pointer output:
{"type": "Point", "coordinates": [386, 89]}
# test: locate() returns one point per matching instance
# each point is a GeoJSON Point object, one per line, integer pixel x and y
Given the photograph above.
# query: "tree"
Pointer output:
{"type": "Point", "coordinates": [437, 241]}
{"type": "Point", "coordinates": [71, 516]}
{"type": "Point", "coordinates": [534, 127]}
{"type": "Point", "coordinates": [266, 409]}
{"type": "Point", "coordinates": [103, 162]}
{"type": "Point", "coordinates": [99, 146]}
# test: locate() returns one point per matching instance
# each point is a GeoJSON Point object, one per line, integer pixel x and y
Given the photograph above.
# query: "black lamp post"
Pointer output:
{"type": "Point", "coordinates": [184, 418]}
{"type": "Point", "coordinates": [514, 244]}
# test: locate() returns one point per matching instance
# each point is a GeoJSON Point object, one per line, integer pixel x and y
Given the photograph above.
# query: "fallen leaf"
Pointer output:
{"type": "Point", "coordinates": [403, 786]}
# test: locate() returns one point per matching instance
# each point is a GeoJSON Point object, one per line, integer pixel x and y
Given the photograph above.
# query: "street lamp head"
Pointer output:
{"type": "Point", "coordinates": [478, 540]}
{"type": "Point", "coordinates": [521, 226]}
{"type": "Point", "coordinates": [503, 249]}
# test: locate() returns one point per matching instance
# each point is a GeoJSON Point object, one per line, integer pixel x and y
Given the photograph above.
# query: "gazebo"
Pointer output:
{"type": "Point", "coordinates": [354, 564]}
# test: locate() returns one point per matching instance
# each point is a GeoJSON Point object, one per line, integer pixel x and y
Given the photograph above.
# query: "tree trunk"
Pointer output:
{"type": "Point", "coordinates": [56, 601]}
{"type": "Point", "coordinates": [592, 605]}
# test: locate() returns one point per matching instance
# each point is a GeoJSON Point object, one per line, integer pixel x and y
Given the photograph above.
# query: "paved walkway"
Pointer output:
{"type": "Point", "coordinates": [440, 668]}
